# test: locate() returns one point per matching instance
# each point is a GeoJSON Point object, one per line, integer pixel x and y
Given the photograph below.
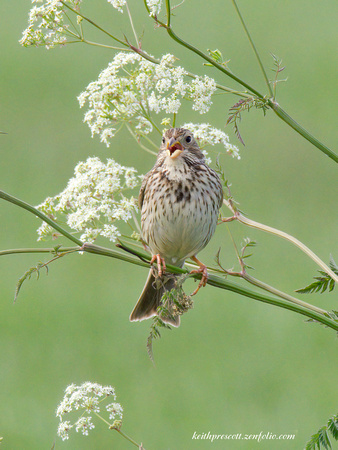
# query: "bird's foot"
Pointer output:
{"type": "Point", "coordinates": [161, 267]}
{"type": "Point", "coordinates": [203, 270]}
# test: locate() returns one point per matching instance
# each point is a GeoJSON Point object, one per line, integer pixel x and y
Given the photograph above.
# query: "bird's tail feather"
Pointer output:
{"type": "Point", "coordinates": [150, 299]}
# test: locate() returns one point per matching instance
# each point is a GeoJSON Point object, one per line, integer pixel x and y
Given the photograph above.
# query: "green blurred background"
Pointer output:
{"type": "Point", "coordinates": [234, 365]}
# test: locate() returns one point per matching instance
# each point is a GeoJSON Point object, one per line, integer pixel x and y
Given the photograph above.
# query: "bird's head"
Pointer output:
{"type": "Point", "coordinates": [179, 142]}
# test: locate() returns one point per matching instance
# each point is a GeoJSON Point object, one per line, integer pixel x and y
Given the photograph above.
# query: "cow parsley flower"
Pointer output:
{"type": "Point", "coordinates": [201, 90]}
{"type": "Point", "coordinates": [87, 399]}
{"type": "Point", "coordinates": [84, 424]}
{"type": "Point", "coordinates": [131, 88]}
{"type": "Point", "coordinates": [63, 430]}
{"type": "Point", "coordinates": [94, 200]}
{"type": "Point", "coordinates": [117, 4]}
{"type": "Point", "coordinates": [115, 411]}
{"type": "Point", "coordinates": [205, 134]}
{"type": "Point", "coordinates": [154, 7]}
{"type": "Point", "coordinates": [46, 24]}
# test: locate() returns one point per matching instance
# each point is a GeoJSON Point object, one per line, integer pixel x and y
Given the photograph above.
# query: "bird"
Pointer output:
{"type": "Point", "coordinates": [179, 200]}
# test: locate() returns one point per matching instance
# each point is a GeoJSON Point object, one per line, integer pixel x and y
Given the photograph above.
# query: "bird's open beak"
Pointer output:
{"type": "Point", "coordinates": [174, 148]}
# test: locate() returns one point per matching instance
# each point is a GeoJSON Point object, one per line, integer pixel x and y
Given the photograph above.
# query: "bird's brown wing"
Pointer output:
{"type": "Point", "coordinates": [158, 163]}
{"type": "Point", "coordinates": [143, 188]}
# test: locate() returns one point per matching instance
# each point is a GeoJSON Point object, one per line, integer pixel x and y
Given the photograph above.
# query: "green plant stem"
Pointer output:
{"type": "Point", "coordinates": [272, 104]}
{"type": "Point", "coordinates": [132, 24]}
{"type": "Point", "coordinates": [189, 74]}
{"type": "Point", "coordinates": [198, 52]}
{"type": "Point", "coordinates": [260, 284]}
{"type": "Point", "coordinates": [91, 248]}
{"type": "Point", "coordinates": [279, 293]}
{"type": "Point", "coordinates": [325, 320]}
{"type": "Point", "coordinates": [212, 280]}
{"type": "Point", "coordinates": [301, 307]}
{"type": "Point", "coordinates": [138, 142]}
{"type": "Point", "coordinates": [299, 129]}
{"type": "Point", "coordinates": [78, 13]}
{"type": "Point", "coordinates": [41, 215]}
{"type": "Point", "coordinates": [127, 437]}
{"type": "Point", "coordinates": [151, 142]}
{"type": "Point", "coordinates": [275, 107]}
{"type": "Point", "coordinates": [129, 47]}
{"type": "Point", "coordinates": [251, 223]}
{"type": "Point", "coordinates": [253, 48]}
{"type": "Point", "coordinates": [111, 427]}
{"type": "Point", "coordinates": [110, 47]}
{"type": "Point", "coordinates": [39, 250]}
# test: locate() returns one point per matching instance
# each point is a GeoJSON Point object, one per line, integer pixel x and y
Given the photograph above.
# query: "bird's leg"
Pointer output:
{"type": "Point", "coordinates": [161, 267]}
{"type": "Point", "coordinates": [203, 271]}
{"type": "Point", "coordinates": [145, 246]}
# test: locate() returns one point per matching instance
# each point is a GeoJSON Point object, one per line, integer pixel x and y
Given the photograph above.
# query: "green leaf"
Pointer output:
{"type": "Point", "coordinates": [321, 438]}
{"type": "Point", "coordinates": [333, 266]}
{"type": "Point", "coordinates": [245, 104]}
{"type": "Point", "coordinates": [173, 303]}
{"type": "Point", "coordinates": [248, 243]}
{"type": "Point", "coordinates": [324, 439]}
{"type": "Point", "coordinates": [322, 283]}
{"type": "Point", "coordinates": [332, 426]}
{"type": "Point", "coordinates": [221, 173]}
{"type": "Point", "coordinates": [217, 56]}
{"type": "Point", "coordinates": [277, 64]}
{"type": "Point", "coordinates": [27, 275]}
{"type": "Point", "coordinates": [155, 334]}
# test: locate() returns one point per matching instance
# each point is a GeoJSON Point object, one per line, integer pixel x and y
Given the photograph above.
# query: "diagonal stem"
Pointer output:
{"type": "Point", "coordinates": [78, 13]}
{"type": "Point", "coordinates": [279, 293]}
{"type": "Point", "coordinates": [253, 48]}
{"type": "Point", "coordinates": [301, 307]}
{"type": "Point", "coordinates": [132, 24]}
{"type": "Point", "coordinates": [41, 215]}
{"type": "Point", "coordinates": [299, 129]}
{"type": "Point", "coordinates": [251, 223]}
{"type": "Point", "coordinates": [273, 105]}
{"type": "Point", "coordinates": [212, 280]}
{"type": "Point", "coordinates": [198, 52]}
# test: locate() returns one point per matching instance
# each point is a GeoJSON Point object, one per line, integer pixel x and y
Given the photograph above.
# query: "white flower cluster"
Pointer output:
{"type": "Point", "coordinates": [46, 24]}
{"type": "Point", "coordinates": [131, 88]}
{"type": "Point", "coordinates": [201, 92]}
{"type": "Point", "coordinates": [118, 4]}
{"type": "Point", "coordinates": [93, 200]}
{"type": "Point", "coordinates": [87, 398]}
{"type": "Point", "coordinates": [154, 7]}
{"type": "Point", "coordinates": [205, 134]}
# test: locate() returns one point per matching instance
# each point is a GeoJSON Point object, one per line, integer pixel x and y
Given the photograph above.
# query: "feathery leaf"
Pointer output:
{"type": "Point", "coordinates": [244, 104]}
{"type": "Point", "coordinates": [322, 283]}
{"type": "Point", "coordinates": [321, 438]}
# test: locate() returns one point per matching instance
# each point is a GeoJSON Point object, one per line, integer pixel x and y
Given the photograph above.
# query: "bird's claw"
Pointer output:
{"type": "Point", "coordinates": [203, 270]}
{"type": "Point", "coordinates": [161, 267]}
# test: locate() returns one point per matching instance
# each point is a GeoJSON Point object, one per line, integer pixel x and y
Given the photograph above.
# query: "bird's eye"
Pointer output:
{"type": "Point", "coordinates": [188, 139]}
{"type": "Point", "coordinates": [163, 140]}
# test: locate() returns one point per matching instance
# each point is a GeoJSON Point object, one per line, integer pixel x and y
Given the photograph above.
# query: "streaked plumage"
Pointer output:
{"type": "Point", "coordinates": [179, 201]}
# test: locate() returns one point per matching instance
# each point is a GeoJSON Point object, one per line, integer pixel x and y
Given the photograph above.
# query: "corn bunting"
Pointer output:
{"type": "Point", "coordinates": [179, 201]}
